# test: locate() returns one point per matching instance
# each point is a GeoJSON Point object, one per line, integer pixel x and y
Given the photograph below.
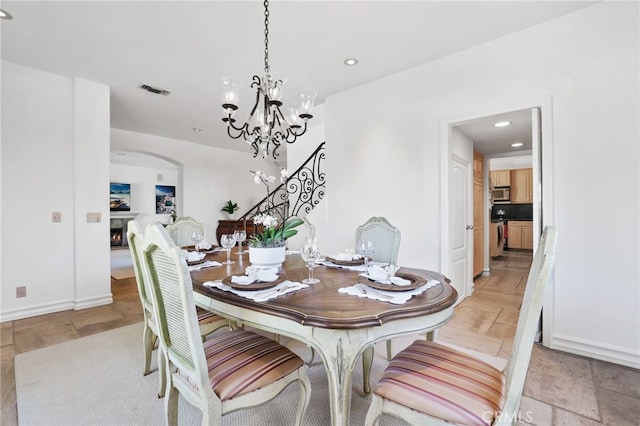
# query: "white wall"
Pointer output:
{"type": "Point", "coordinates": [143, 181]}
{"type": "Point", "coordinates": [54, 158]}
{"type": "Point", "coordinates": [211, 176]}
{"type": "Point", "coordinates": [385, 160]}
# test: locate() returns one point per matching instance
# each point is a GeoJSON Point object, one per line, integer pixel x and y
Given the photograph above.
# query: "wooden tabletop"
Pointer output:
{"type": "Point", "coordinates": [320, 305]}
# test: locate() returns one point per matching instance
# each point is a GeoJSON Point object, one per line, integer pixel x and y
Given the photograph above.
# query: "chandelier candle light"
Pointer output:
{"type": "Point", "coordinates": [267, 124]}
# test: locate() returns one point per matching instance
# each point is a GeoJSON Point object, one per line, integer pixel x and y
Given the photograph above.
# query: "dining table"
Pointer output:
{"type": "Point", "coordinates": [339, 327]}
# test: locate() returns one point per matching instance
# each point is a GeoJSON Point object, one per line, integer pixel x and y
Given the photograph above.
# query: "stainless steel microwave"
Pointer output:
{"type": "Point", "coordinates": [500, 194]}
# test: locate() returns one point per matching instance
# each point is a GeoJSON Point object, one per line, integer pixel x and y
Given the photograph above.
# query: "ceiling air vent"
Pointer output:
{"type": "Point", "coordinates": [154, 90]}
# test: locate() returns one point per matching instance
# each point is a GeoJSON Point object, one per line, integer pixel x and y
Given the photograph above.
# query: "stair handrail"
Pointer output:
{"type": "Point", "coordinates": [308, 181]}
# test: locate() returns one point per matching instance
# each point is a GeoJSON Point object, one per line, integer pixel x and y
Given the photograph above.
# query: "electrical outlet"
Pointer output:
{"type": "Point", "coordinates": [21, 291]}
{"type": "Point", "coordinates": [93, 218]}
{"type": "Point", "coordinates": [56, 217]}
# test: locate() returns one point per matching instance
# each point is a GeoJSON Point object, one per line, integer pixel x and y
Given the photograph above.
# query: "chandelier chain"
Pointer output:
{"type": "Point", "coordinates": [266, 36]}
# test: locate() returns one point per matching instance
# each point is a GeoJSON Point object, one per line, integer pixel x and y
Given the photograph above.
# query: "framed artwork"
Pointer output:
{"type": "Point", "coordinates": [165, 199]}
{"type": "Point", "coordinates": [120, 197]}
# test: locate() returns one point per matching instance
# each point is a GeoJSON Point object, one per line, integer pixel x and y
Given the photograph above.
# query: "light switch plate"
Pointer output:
{"type": "Point", "coordinates": [56, 217]}
{"type": "Point", "coordinates": [93, 218]}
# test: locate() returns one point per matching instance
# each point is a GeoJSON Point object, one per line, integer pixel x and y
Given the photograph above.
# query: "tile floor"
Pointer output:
{"type": "Point", "coordinates": [561, 389]}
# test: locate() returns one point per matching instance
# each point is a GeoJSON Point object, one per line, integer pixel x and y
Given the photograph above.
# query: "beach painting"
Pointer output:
{"type": "Point", "coordinates": [165, 199]}
{"type": "Point", "coordinates": [120, 197]}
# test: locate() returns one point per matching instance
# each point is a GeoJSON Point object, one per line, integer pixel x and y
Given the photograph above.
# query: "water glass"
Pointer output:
{"type": "Point", "coordinates": [197, 238]}
{"type": "Point", "coordinates": [310, 253]}
{"type": "Point", "coordinates": [227, 242]}
{"type": "Point", "coordinates": [240, 235]}
{"type": "Point", "coordinates": [366, 250]}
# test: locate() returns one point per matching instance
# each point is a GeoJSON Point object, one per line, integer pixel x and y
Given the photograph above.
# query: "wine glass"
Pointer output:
{"type": "Point", "coordinates": [310, 253]}
{"type": "Point", "coordinates": [197, 238]}
{"type": "Point", "coordinates": [240, 235]}
{"type": "Point", "coordinates": [366, 250]}
{"type": "Point", "coordinates": [227, 242]}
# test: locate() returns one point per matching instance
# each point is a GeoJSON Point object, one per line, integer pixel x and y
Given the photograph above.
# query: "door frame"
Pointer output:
{"type": "Point", "coordinates": [543, 208]}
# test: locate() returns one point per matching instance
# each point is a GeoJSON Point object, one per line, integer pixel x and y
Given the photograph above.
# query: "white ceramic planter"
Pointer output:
{"type": "Point", "coordinates": [269, 257]}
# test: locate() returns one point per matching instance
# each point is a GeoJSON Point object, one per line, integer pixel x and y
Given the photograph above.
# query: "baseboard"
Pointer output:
{"type": "Point", "coordinates": [93, 302]}
{"type": "Point", "coordinates": [32, 311]}
{"type": "Point", "coordinates": [596, 350]}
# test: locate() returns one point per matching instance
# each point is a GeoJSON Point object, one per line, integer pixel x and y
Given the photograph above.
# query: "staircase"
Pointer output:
{"type": "Point", "coordinates": [297, 196]}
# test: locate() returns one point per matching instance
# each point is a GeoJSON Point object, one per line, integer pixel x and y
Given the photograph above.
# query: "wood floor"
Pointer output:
{"type": "Point", "coordinates": [561, 389]}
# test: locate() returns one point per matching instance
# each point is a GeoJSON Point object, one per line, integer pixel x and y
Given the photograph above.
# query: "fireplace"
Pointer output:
{"type": "Point", "coordinates": [118, 229]}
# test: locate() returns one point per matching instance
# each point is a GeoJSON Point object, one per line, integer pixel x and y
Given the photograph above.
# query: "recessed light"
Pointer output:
{"type": "Point", "coordinates": [5, 15]}
{"type": "Point", "coordinates": [502, 124]}
{"type": "Point", "coordinates": [517, 144]}
{"type": "Point", "coordinates": [350, 62]}
{"type": "Point", "coordinates": [197, 129]}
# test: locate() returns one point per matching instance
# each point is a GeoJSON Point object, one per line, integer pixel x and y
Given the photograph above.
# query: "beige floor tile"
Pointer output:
{"type": "Point", "coordinates": [466, 339]}
{"type": "Point", "coordinates": [100, 314]}
{"type": "Point", "coordinates": [40, 320]}
{"type": "Point", "coordinates": [624, 380]}
{"type": "Point", "coordinates": [28, 339]}
{"type": "Point", "coordinates": [566, 418]}
{"type": "Point", "coordinates": [6, 333]}
{"type": "Point", "coordinates": [473, 320]}
{"type": "Point", "coordinates": [473, 303]}
{"type": "Point", "coordinates": [508, 316]}
{"type": "Point", "coordinates": [618, 409]}
{"type": "Point", "coordinates": [535, 412]}
{"type": "Point", "coordinates": [501, 331]}
{"type": "Point", "coordinates": [562, 380]}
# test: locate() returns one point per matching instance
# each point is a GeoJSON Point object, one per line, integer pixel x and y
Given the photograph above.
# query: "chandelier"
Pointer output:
{"type": "Point", "coordinates": [270, 123]}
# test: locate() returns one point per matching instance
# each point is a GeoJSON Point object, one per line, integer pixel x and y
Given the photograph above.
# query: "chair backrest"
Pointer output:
{"type": "Point", "coordinates": [306, 230]}
{"type": "Point", "coordinates": [174, 305]}
{"type": "Point", "coordinates": [135, 237]}
{"type": "Point", "coordinates": [538, 279]}
{"type": "Point", "coordinates": [182, 229]}
{"type": "Point", "coordinates": [384, 236]}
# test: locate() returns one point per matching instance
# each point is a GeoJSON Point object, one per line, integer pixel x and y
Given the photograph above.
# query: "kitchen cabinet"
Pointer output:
{"type": "Point", "coordinates": [478, 213]}
{"type": "Point", "coordinates": [521, 186]}
{"type": "Point", "coordinates": [520, 234]}
{"type": "Point", "coordinates": [500, 177]}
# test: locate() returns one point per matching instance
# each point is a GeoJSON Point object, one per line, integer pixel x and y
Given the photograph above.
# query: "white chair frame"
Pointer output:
{"type": "Point", "coordinates": [182, 229]}
{"type": "Point", "coordinates": [515, 371]}
{"type": "Point", "coordinates": [187, 369]}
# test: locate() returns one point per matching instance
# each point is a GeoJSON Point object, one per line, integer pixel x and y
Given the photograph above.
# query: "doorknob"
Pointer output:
{"type": "Point", "coordinates": [469, 227]}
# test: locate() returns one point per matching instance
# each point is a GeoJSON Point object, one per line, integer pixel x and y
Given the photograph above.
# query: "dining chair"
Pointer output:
{"type": "Point", "coordinates": [386, 244]}
{"type": "Point", "coordinates": [430, 383]}
{"type": "Point", "coordinates": [384, 236]}
{"type": "Point", "coordinates": [208, 322]}
{"type": "Point", "coordinates": [229, 371]}
{"type": "Point", "coordinates": [182, 229]}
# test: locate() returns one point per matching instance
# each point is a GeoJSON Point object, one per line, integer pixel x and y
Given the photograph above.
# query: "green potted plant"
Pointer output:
{"type": "Point", "coordinates": [230, 208]}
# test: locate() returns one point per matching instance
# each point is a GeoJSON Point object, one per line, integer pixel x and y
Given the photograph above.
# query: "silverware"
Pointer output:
{"type": "Point", "coordinates": [366, 290]}
{"type": "Point", "coordinates": [270, 293]}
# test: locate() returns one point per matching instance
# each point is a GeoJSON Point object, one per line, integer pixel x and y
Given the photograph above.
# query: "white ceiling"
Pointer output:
{"type": "Point", "coordinates": [186, 47]}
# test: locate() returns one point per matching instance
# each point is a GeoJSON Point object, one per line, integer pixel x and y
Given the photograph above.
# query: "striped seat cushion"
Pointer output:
{"type": "Point", "coordinates": [241, 361]}
{"type": "Point", "coordinates": [207, 317]}
{"type": "Point", "coordinates": [443, 383]}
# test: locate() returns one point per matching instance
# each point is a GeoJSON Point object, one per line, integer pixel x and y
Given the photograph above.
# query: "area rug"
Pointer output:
{"type": "Point", "coordinates": [97, 380]}
{"type": "Point", "coordinates": [121, 264]}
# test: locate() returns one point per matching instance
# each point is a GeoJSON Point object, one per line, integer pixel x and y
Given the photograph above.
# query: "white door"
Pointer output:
{"type": "Point", "coordinates": [461, 225]}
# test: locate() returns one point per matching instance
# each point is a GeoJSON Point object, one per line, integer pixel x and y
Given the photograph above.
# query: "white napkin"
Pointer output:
{"type": "Point", "coordinates": [205, 264]}
{"type": "Point", "coordinates": [385, 275]}
{"type": "Point", "coordinates": [253, 274]}
{"type": "Point", "coordinates": [348, 256]}
{"type": "Point", "coordinates": [203, 245]}
{"type": "Point", "coordinates": [193, 256]}
{"type": "Point", "coordinates": [260, 295]}
{"type": "Point", "coordinates": [395, 297]}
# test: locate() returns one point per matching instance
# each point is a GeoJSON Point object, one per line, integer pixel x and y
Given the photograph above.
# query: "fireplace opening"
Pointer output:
{"type": "Point", "coordinates": [116, 237]}
{"type": "Point", "coordinates": [118, 233]}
